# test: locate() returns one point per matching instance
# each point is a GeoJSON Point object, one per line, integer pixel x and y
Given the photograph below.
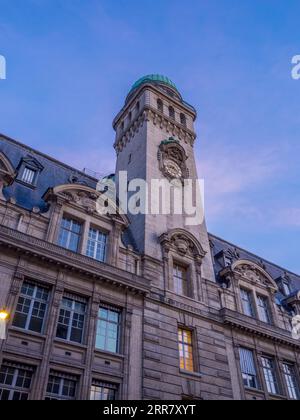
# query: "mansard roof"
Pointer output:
{"type": "Point", "coordinates": [221, 247]}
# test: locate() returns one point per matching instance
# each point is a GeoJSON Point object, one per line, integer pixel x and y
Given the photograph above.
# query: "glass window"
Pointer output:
{"type": "Point", "coordinates": [291, 381]}
{"type": "Point", "coordinates": [263, 309]}
{"type": "Point", "coordinates": [246, 297]}
{"type": "Point", "coordinates": [61, 388]}
{"type": "Point", "coordinates": [70, 234]}
{"type": "Point", "coordinates": [185, 339]}
{"type": "Point", "coordinates": [28, 176]}
{"type": "Point", "coordinates": [108, 330]}
{"type": "Point", "coordinates": [180, 280]}
{"type": "Point", "coordinates": [71, 320]}
{"type": "Point", "coordinates": [248, 368]}
{"type": "Point", "coordinates": [103, 391]}
{"type": "Point", "coordinates": [31, 308]}
{"type": "Point", "coordinates": [286, 289]}
{"type": "Point", "coordinates": [270, 375]}
{"type": "Point", "coordinates": [15, 383]}
{"type": "Point", "coordinates": [96, 246]}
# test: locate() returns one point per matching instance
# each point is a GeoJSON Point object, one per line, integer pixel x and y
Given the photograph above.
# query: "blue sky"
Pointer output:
{"type": "Point", "coordinates": [70, 64]}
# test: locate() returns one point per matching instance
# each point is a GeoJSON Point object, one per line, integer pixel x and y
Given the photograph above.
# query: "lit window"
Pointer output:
{"type": "Point", "coordinates": [31, 308]}
{"type": "Point", "coordinates": [28, 176]}
{"type": "Point", "coordinates": [172, 113]}
{"type": "Point", "coordinates": [185, 340]}
{"type": "Point", "coordinates": [70, 234]}
{"type": "Point", "coordinates": [247, 302]}
{"type": "Point", "coordinates": [263, 309]}
{"type": "Point", "coordinates": [291, 381]}
{"type": "Point", "coordinates": [101, 391]}
{"type": "Point", "coordinates": [270, 375]}
{"type": "Point", "coordinates": [15, 382]}
{"type": "Point", "coordinates": [248, 368]}
{"type": "Point", "coordinates": [61, 387]}
{"type": "Point", "coordinates": [180, 280]}
{"type": "Point", "coordinates": [108, 329]}
{"type": "Point", "coordinates": [96, 246]}
{"type": "Point", "coordinates": [71, 320]}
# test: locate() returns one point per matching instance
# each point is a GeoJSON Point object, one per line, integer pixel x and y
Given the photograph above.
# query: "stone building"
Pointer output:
{"type": "Point", "coordinates": [139, 306]}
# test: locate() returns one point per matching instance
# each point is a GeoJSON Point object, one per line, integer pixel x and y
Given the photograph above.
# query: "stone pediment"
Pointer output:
{"type": "Point", "coordinates": [253, 273]}
{"type": "Point", "coordinates": [183, 243]}
{"type": "Point", "coordinates": [84, 197]}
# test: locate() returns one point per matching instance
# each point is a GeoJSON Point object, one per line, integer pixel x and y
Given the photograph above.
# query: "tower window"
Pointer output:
{"type": "Point", "coordinates": [286, 288]}
{"type": "Point", "coordinates": [185, 342]}
{"type": "Point", "coordinates": [183, 119]}
{"type": "Point", "coordinates": [138, 106]}
{"type": "Point", "coordinates": [172, 113]}
{"type": "Point", "coordinates": [160, 105]}
{"type": "Point", "coordinates": [180, 280]}
{"type": "Point", "coordinates": [130, 116]}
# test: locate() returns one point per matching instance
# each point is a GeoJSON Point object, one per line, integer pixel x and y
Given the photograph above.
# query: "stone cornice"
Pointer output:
{"type": "Point", "coordinates": [62, 258]}
{"type": "Point", "coordinates": [252, 326]}
{"type": "Point", "coordinates": [149, 113]}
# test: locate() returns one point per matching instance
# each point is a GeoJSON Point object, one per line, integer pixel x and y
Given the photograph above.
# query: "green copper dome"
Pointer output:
{"type": "Point", "coordinates": [154, 78]}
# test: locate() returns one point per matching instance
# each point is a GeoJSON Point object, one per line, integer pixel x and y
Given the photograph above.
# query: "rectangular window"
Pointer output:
{"type": "Point", "coordinates": [71, 320]}
{"type": "Point", "coordinates": [28, 176]}
{"type": "Point", "coordinates": [108, 329]}
{"type": "Point", "coordinates": [31, 308]}
{"type": "Point", "coordinates": [61, 387]}
{"type": "Point", "coordinates": [180, 280]}
{"type": "Point", "coordinates": [270, 375]}
{"type": "Point", "coordinates": [96, 246]}
{"type": "Point", "coordinates": [247, 303]}
{"type": "Point", "coordinates": [101, 391]}
{"type": "Point", "coordinates": [15, 382]}
{"type": "Point", "coordinates": [263, 309]}
{"type": "Point", "coordinates": [291, 381]}
{"type": "Point", "coordinates": [248, 368]}
{"type": "Point", "coordinates": [70, 234]}
{"type": "Point", "coordinates": [185, 339]}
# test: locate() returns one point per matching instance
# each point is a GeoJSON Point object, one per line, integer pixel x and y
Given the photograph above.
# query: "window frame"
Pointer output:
{"type": "Point", "coordinates": [13, 388]}
{"type": "Point", "coordinates": [176, 266]}
{"type": "Point", "coordinates": [191, 346]}
{"type": "Point", "coordinates": [33, 299]}
{"type": "Point", "coordinates": [270, 374]}
{"type": "Point", "coordinates": [73, 220]}
{"type": "Point", "coordinates": [59, 396]}
{"type": "Point", "coordinates": [115, 310]}
{"type": "Point", "coordinates": [104, 386]}
{"type": "Point", "coordinates": [291, 380]}
{"type": "Point", "coordinates": [247, 376]}
{"type": "Point", "coordinates": [96, 242]}
{"type": "Point", "coordinates": [70, 325]}
{"type": "Point", "coordinates": [250, 301]}
{"type": "Point", "coordinates": [265, 317]}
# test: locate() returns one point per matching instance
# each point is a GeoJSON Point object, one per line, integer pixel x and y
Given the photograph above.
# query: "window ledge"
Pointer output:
{"type": "Point", "coordinates": [27, 333]}
{"type": "Point", "coordinates": [188, 373]}
{"type": "Point", "coordinates": [109, 354]}
{"type": "Point", "coordinates": [70, 343]}
{"type": "Point", "coordinates": [31, 186]}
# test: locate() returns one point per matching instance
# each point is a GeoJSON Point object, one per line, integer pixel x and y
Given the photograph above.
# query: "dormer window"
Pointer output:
{"type": "Point", "coordinates": [160, 105]}
{"type": "Point", "coordinates": [29, 170]}
{"type": "Point", "coordinates": [183, 119]}
{"type": "Point", "coordinates": [286, 288]}
{"type": "Point", "coordinates": [28, 176]}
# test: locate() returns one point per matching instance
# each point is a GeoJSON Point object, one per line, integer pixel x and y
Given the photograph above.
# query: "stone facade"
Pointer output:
{"type": "Point", "coordinates": [135, 279]}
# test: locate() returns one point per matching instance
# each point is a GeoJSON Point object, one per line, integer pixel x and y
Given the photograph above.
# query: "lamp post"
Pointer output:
{"type": "Point", "coordinates": [3, 320]}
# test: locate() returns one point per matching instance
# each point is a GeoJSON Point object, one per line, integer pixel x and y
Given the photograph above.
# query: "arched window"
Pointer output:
{"type": "Point", "coordinates": [160, 105]}
{"type": "Point", "coordinates": [172, 112]}
{"type": "Point", "coordinates": [130, 116]}
{"type": "Point", "coordinates": [137, 107]}
{"type": "Point", "coordinates": [183, 119]}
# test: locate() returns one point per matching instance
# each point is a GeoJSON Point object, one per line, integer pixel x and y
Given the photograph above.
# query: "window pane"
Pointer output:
{"type": "Point", "coordinates": [247, 302]}
{"type": "Point", "coordinates": [248, 368]}
{"type": "Point", "coordinates": [108, 328]}
{"type": "Point", "coordinates": [270, 375]}
{"type": "Point", "coordinates": [70, 234]}
{"type": "Point", "coordinates": [186, 350]}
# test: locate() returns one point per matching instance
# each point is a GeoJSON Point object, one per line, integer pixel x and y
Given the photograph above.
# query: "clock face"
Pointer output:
{"type": "Point", "coordinates": [172, 169]}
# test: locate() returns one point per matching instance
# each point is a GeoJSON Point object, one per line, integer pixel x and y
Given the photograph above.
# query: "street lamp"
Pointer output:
{"type": "Point", "coordinates": [3, 318]}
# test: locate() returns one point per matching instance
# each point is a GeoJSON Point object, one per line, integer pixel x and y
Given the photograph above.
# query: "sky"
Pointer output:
{"type": "Point", "coordinates": [70, 64]}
